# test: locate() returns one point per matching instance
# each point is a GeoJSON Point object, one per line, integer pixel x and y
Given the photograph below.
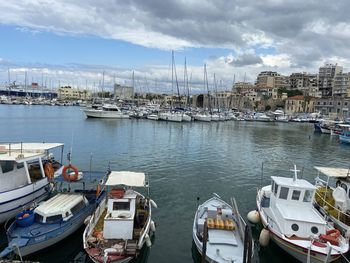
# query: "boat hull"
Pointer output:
{"type": "Point", "coordinates": [105, 114]}
{"type": "Point", "coordinates": [14, 201]}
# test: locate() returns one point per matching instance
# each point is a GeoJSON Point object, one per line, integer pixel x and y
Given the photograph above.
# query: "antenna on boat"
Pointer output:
{"type": "Point", "coordinates": [295, 177]}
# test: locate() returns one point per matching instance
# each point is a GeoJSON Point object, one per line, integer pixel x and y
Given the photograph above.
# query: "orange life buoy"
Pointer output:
{"type": "Point", "coordinates": [68, 176]}
{"type": "Point", "coordinates": [117, 192]}
{"type": "Point", "coordinates": [333, 232]}
{"type": "Point", "coordinates": [49, 171]}
{"type": "Point", "coordinates": [98, 190]}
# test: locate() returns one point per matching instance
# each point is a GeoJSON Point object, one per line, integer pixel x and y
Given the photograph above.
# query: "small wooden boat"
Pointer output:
{"type": "Point", "coordinates": [121, 226]}
{"type": "Point", "coordinates": [289, 218]}
{"type": "Point", "coordinates": [51, 222]}
{"type": "Point", "coordinates": [219, 232]}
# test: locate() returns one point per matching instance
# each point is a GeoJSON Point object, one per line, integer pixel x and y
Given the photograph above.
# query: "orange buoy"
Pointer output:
{"type": "Point", "coordinates": [117, 193]}
{"type": "Point", "coordinates": [68, 176]}
{"type": "Point", "coordinates": [98, 190]}
{"type": "Point", "coordinates": [49, 171]}
{"type": "Point", "coordinates": [331, 236]}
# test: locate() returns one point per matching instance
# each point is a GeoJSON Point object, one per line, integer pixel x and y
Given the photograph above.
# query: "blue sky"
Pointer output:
{"type": "Point", "coordinates": [74, 41]}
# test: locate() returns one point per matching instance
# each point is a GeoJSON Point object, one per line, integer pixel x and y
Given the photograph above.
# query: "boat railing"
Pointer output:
{"type": "Point", "coordinates": [7, 148]}
{"type": "Point", "coordinates": [341, 216]}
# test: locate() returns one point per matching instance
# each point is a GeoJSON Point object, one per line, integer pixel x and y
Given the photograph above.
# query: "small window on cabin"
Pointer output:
{"type": "Point", "coordinates": [284, 192]}
{"type": "Point", "coordinates": [38, 218]}
{"type": "Point", "coordinates": [295, 227]}
{"type": "Point", "coordinates": [121, 206]}
{"type": "Point", "coordinates": [314, 230]}
{"type": "Point", "coordinates": [296, 195]}
{"type": "Point", "coordinates": [20, 165]}
{"type": "Point", "coordinates": [308, 196]}
{"type": "Point", "coordinates": [7, 166]}
{"type": "Point", "coordinates": [53, 219]}
{"type": "Point", "coordinates": [78, 207]}
{"type": "Point", "coordinates": [276, 189]}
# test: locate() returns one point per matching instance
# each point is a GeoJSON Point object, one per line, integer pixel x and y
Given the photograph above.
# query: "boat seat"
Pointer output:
{"type": "Point", "coordinates": [222, 237]}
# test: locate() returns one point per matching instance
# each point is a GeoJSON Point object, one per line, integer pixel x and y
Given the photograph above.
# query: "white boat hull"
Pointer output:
{"type": "Point", "coordinates": [171, 117]}
{"type": "Point", "coordinates": [14, 201]}
{"type": "Point", "coordinates": [206, 118]}
{"type": "Point", "coordinates": [105, 114]}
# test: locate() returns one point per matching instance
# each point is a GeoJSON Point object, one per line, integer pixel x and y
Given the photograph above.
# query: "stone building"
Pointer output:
{"type": "Point", "coordinates": [299, 104]}
{"type": "Point", "coordinates": [69, 93]}
{"type": "Point", "coordinates": [305, 82]}
{"type": "Point", "coordinates": [123, 92]}
{"type": "Point", "coordinates": [334, 106]}
{"type": "Point", "coordinates": [341, 85]}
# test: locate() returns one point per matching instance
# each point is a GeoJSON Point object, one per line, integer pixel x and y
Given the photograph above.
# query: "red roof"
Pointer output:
{"type": "Point", "coordinates": [297, 97]}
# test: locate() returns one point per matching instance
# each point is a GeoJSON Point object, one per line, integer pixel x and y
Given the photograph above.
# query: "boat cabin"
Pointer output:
{"type": "Point", "coordinates": [61, 207]}
{"type": "Point", "coordinates": [24, 163]}
{"type": "Point", "coordinates": [291, 202]}
{"type": "Point", "coordinates": [123, 205]}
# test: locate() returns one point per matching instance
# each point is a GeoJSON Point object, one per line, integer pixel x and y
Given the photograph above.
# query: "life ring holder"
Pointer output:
{"type": "Point", "coordinates": [68, 176]}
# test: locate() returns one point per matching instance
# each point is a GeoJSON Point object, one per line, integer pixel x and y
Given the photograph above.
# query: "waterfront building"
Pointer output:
{"type": "Point", "coordinates": [299, 104]}
{"type": "Point", "coordinates": [243, 87]}
{"type": "Point", "coordinates": [123, 92]}
{"type": "Point", "coordinates": [333, 107]}
{"type": "Point", "coordinates": [69, 93]}
{"type": "Point", "coordinates": [305, 82]}
{"type": "Point", "coordinates": [326, 77]}
{"type": "Point", "coordinates": [341, 85]}
{"type": "Point", "coordinates": [271, 79]}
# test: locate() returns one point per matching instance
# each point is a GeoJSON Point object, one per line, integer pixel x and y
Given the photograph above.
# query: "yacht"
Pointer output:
{"type": "Point", "coordinates": [110, 111]}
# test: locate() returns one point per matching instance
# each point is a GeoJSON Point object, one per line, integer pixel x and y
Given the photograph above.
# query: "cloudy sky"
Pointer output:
{"type": "Point", "coordinates": [73, 42]}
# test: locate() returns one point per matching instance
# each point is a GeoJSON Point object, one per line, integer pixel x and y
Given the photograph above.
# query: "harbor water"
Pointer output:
{"type": "Point", "coordinates": [182, 160]}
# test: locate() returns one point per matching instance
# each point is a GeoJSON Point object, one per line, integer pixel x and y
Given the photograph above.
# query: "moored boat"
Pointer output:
{"type": "Point", "coordinates": [122, 225]}
{"type": "Point", "coordinates": [287, 213]}
{"type": "Point", "coordinates": [109, 111]}
{"type": "Point", "coordinates": [51, 222]}
{"type": "Point", "coordinates": [219, 232]}
{"type": "Point", "coordinates": [27, 170]}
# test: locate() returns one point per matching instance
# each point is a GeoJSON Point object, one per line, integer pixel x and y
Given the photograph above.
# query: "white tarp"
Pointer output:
{"type": "Point", "coordinates": [126, 178]}
{"type": "Point", "coordinates": [334, 172]}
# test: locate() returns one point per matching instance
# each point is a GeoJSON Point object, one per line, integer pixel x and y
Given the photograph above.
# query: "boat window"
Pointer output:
{"type": "Point", "coordinates": [284, 192]}
{"type": "Point", "coordinates": [296, 195]}
{"type": "Point", "coordinates": [7, 166]}
{"type": "Point", "coordinates": [295, 227]}
{"type": "Point", "coordinates": [121, 206]}
{"type": "Point", "coordinates": [308, 196]}
{"type": "Point", "coordinates": [53, 219]}
{"type": "Point", "coordinates": [78, 207]}
{"type": "Point", "coordinates": [20, 165]}
{"type": "Point", "coordinates": [38, 218]}
{"type": "Point", "coordinates": [314, 230]}
{"type": "Point", "coordinates": [273, 186]}
{"type": "Point", "coordinates": [276, 189]}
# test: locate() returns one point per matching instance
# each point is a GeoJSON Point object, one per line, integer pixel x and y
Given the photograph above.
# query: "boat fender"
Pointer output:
{"type": "Point", "coordinates": [87, 220]}
{"type": "Point", "coordinates": [264, 237]}
{"type": "Point", "coordinates": [347, 233]}
{"type": "Point", "coordinates": [153, 226]}
{"type": "Point", "coordinates": [148, 240]}
{"type": "Point", "coordinates": [253, 217]}
{"type": "Point", "coordinates": [153, 203]}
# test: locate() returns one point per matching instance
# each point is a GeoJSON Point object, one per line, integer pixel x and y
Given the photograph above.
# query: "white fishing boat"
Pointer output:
{"type": "Point", "coordinates": [287, 213]}
{"type": "Point", "coordinates": [153, 116]}
{"type": "Point", "coordinates": [332, 196]}
{"type": "Point", "coordinates": [25, 175]}
{"type": "Point", "coordinates": [186, 118]}
{"type": "Point", "coordinates": [109, 111]}
{"type": "Point", "coordinates": [122, 225]}
{"type": "Point", "coordinates": [219, 232]}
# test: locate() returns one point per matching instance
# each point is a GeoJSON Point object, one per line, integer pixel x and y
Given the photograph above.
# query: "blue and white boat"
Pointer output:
{"type": "Point", "coordinates": [51, 222]}
{"type": "Point", "coordinates": [26, 173]}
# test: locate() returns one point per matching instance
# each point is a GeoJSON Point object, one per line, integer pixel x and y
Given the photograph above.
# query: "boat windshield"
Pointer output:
{"type": "Point", "coordinates": [53, 219]}
{"type": "Point", "coordinates": [308, 196]}
{"type": "Point", "coordinates": [38, 218]}
{"type": "Point", "coordinates": [121, 206]}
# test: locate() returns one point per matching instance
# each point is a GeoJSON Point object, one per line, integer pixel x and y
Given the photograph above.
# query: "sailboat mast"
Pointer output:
{"type": "Point", "coordinates": [207, 87]}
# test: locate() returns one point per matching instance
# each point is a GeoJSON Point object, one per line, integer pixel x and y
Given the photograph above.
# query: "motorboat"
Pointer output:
{"type": "Point", "coordinates": [26, 174]}
{"type": "Point", "coordinates": [289, 218]}
{"type": "Point", "coordinates": [170, 116]}
{"type": "Point", "coordinates": [52, 221]}
{"type": "Point", "coordinates": [219, 232]}
{"type": "Point", "coordinates": [332, 196]}
{"type": "Point", "coordinates": [110, 111]}
{"type": "Point", "coordinates": [202, 117]}
{"type": "Point", "coordinates": [122, 225]}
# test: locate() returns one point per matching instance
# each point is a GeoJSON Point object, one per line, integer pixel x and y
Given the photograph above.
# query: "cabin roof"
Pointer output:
{"type": "Point", "coordinates": [21, 151]}
{"type": "Point", "coordinates": [296, 212]}
{"type": "Point", "coordinates": [59, 204]}
{"type": "Point", "coordinates": [126, 178]}
{"type": "Point", "coordinates": [334, 172]}
{"type": "Point", "coordinates": [289, 182]}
